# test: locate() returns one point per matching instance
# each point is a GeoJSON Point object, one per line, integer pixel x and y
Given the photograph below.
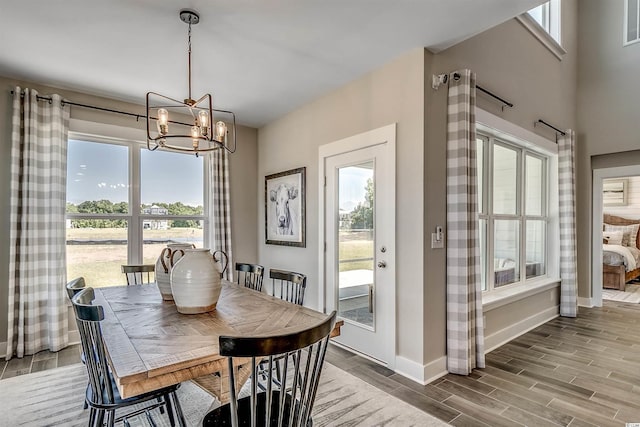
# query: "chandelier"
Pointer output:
{"type": "Point", "coordinates": [189, 126]}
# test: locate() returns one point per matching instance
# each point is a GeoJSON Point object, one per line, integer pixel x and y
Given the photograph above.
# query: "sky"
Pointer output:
{"type": "Point", "coordinates": [98, 171]}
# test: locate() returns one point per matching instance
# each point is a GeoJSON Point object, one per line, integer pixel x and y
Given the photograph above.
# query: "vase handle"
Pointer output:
{"type": "Point", "coordinates": [173, 254]}
{"type": "Point", "coordinates": [226, 261]}
{"type": "Point", "coordinates": [162, 255]}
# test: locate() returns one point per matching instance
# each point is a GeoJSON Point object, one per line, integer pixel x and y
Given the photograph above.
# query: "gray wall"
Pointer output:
{"type": "Point", "coordinates": [510, 62]}
{"type": "Point", "coordinates": [392, 94]}
{"type": "Point", "coordinates": [243, 167]}
{"type": "Point", "coordinates": [608, 94]}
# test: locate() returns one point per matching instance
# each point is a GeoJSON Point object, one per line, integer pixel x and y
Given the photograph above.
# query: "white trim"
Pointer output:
{"type": "Point", "coordinates": [542, 35]}
{"type": "Point", "coordinates": [494, 299]}
{"type": "Point", "coordinates": [585, 302]}
{"type": "Point", "coordinates": [409, 369]}
{"type": "Point", "coordinates": [596, 237]}
{"type": "Point", "coordinates": [382, 135]}
{"type": "Point", "coordinates": [511, 332]}
{"type": "Point", "coordinates": [625, 27]}
{"type": "Point", "coordinates": [510, 132]}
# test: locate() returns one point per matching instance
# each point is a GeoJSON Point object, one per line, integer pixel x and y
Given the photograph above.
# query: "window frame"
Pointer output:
{"type": "Point", "coordinates": [135, 218]}
{"type": "Point", "coordinates": [489, 140]}
{"type": "Point", "coordinates": [625, 33]}
{"type": "Point", "coordinates": [550, 37]}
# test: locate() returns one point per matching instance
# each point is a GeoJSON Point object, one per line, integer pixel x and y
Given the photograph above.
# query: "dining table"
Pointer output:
{"type": "Point", "coordinates": [150, 345]}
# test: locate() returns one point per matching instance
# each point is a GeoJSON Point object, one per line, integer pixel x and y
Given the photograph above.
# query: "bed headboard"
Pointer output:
{"type": "Point", "coordinates": [616, 220]}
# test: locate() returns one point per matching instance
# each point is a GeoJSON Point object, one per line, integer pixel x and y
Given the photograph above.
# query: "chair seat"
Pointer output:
{"type": "Point", "coordinates": [222, 415]}
{"type": "Point", "coordinates": [119, 402]}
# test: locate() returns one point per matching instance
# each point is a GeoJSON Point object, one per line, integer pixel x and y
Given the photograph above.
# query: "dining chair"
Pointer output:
{"type": "Point", "coordinates": [102, 394]}
{"type": "Point", "coordinates": [74, 287]}
{"type": "Point", "coordinates": [288, 285]}
{"type": "Point", "coordinates": [138, 274]}
{"type": "Point", "coordinates": [249, 275]}
{"type": "Point", "coordinates": [282, 406]}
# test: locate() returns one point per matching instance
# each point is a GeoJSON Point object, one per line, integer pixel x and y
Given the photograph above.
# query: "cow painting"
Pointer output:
{"type": "Point", "coordinates": [284, 208]}
{"type": "Point", "coordinates": [281, 196]}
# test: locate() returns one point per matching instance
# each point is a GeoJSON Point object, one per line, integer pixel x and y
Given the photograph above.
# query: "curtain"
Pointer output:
{"type": "Point", "coordinates": [220, 207]}
{"type": "Point", "coordinates": [37, 311]}
{"type": "Point", "coordinates": [567, 201]}
{"type": "Point", "coordinates": [465, 330]}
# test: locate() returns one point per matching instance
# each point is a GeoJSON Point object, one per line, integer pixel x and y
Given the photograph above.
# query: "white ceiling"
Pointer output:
{"type": "Point", "coordinates": [258, 58]}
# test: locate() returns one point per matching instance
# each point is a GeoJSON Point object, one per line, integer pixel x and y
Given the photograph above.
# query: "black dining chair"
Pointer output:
{"type": "Point", "coordinates": [102, 395]}
{"type": "Point", "coordinates": [249, 275]}
{"type": "Point", "coordinates": [288, 285]}
{"type": "Point", "coordinates": [139, 274]}
{"type": "Point", "coordinates": [74, 287]}
{"type": "Point", "coordinates": [289, 405]}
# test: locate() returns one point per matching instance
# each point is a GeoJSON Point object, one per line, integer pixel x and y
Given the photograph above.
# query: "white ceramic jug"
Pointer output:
{"type": "Point", "coordinates": [195, 281]}
{"type": "Point", "coordinates": [163, 268]}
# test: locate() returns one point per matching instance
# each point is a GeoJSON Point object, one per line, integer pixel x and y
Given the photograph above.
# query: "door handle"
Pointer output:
{"type": "Point", "coordinates": [382, 264]}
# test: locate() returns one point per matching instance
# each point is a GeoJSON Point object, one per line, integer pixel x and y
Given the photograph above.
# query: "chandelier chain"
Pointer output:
{"type": "Point", "coordinates": [189, 44]}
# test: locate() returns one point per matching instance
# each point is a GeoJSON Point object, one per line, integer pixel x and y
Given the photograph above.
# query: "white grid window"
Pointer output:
{"type": "Point", "coordinates": [547, 15]}
{"type": "Point", "coordinates": [513, 208]}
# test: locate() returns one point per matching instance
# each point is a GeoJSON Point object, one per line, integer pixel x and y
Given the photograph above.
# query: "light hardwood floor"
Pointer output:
{"type": "Point", "coordinates": [569, 372]}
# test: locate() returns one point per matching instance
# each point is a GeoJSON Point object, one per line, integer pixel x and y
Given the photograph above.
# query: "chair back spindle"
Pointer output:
{"type": "Point", "coordinates": [249, 275]}
{"type": "Point", "coordinates": [288, 285]}
{"type": "Point", "coordinates": [139, 274]}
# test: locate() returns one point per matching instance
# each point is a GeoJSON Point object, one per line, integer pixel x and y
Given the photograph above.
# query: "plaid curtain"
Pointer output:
{"type": "Point", "coordinates": [465, 330]}
{"type": "Point", "coordinates": [567, 199]}
{"type": "Point", "coordinates": [220, 206]}
{"type": "Point", "coordinates": [37, 264]}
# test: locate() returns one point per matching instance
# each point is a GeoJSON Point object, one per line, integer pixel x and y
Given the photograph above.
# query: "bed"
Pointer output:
{"type": "Point", "coordinates": [621, 263]}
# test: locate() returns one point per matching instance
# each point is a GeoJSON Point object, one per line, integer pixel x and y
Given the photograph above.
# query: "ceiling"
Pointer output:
{"type": "Point", "coordinates": [258, 58]}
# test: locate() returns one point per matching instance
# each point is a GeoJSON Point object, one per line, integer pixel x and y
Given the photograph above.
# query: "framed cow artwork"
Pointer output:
{"type": "Point", "coordinates": [285, 208]}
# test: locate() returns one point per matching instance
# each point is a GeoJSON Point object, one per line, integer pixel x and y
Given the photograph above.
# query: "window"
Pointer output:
{"type": "Point", "coordinates": [512, 201]}
{"type": "Point", "coordinates": [631, 21]}
{"type": "Point", "coordinates": [544, 23]}
{"type": "Point", "coordinates": [125, 203]}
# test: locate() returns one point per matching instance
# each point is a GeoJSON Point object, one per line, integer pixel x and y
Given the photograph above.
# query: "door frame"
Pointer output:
{"type": "Point", "coordinates": [382, 135]}
{"type": "Point", "coordinates": [596, 239]}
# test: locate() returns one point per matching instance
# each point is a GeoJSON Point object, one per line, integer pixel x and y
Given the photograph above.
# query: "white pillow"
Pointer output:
{"type": "Point", "coordinates": [613, 237]}
{"type": "Point", "coordinates": [631, 229]}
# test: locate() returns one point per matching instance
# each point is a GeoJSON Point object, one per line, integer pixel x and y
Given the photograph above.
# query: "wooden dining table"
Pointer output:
{"type": "Point", "coordinates": [150, 345]}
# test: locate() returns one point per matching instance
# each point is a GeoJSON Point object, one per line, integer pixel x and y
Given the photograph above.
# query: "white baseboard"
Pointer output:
{"type": "Point", "coordinates": [511, 332]}
{"type": "Point", "coordinates": [422, 374]}
{"type": "Point", "coordinates": [585, 302]}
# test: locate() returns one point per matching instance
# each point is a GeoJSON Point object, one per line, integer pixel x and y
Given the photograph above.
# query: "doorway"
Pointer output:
{"type": "Point", "coordinates": [358, 240]}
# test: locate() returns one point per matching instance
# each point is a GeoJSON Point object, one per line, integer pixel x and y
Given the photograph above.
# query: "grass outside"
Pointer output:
{"type": "Point", "coordinates": [100, 264]}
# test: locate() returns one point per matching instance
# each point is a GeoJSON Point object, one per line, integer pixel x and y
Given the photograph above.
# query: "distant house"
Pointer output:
{"type": "Point", "coordinates": [154, 224]}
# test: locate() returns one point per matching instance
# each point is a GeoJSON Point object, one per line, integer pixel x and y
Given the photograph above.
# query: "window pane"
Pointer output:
{"type": "Point", "coordinates": [156, 239]}
{"type": "Point", "coordinates": [534, 185]}
{"type": "Point", "coordinates": [536, 248]}
{"type": "Point", "coordinates": [505, 180]}
{"type": "Point", "coordinates": [483, 253]}
{"type": "Point", "coordinates": [506, 247]}
{"type": "Point", "coordinates": [96, 250]}
{"type": "Point", "coordinates": [172, 181]}
{"type": "Point", "coordinates": [632, 20]}
{"type": "Point", "coordinates": [97, 177]}
{"type": "Point", "coordinates": [480, 174]}
{"type": "Point", "coordinates": [541, 14]}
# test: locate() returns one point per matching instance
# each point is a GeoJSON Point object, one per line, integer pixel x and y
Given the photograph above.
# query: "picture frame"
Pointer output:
{"type": "Point", "coordinates": [285, 206]}
{"type": "Point", "coordinates": [614, 192]}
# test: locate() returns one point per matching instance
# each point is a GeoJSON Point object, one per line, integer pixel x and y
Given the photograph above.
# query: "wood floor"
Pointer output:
{"type": "Point", "coordinates": [568, 372]}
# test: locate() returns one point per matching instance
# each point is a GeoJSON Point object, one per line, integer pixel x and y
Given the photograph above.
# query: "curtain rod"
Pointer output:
{"type": "Point", "coordinates": [550, 126]}
{"type": "Point", "coordinates": [442, 78]}
{"type": "Point", "coordinates": [93, 107]}
{"type": "Point", "coordinates": [493, 95]}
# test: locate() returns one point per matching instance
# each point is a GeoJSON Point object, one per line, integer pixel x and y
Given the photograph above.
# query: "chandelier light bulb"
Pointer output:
{"type": "Point", "coordinates": [203, 122]}
{"type": "Point", "coordinates": [163, 121]}
{"type": "Point", "coordinates": [221, 131]}
{"type": "Point", "coordinates": [195, 134]}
